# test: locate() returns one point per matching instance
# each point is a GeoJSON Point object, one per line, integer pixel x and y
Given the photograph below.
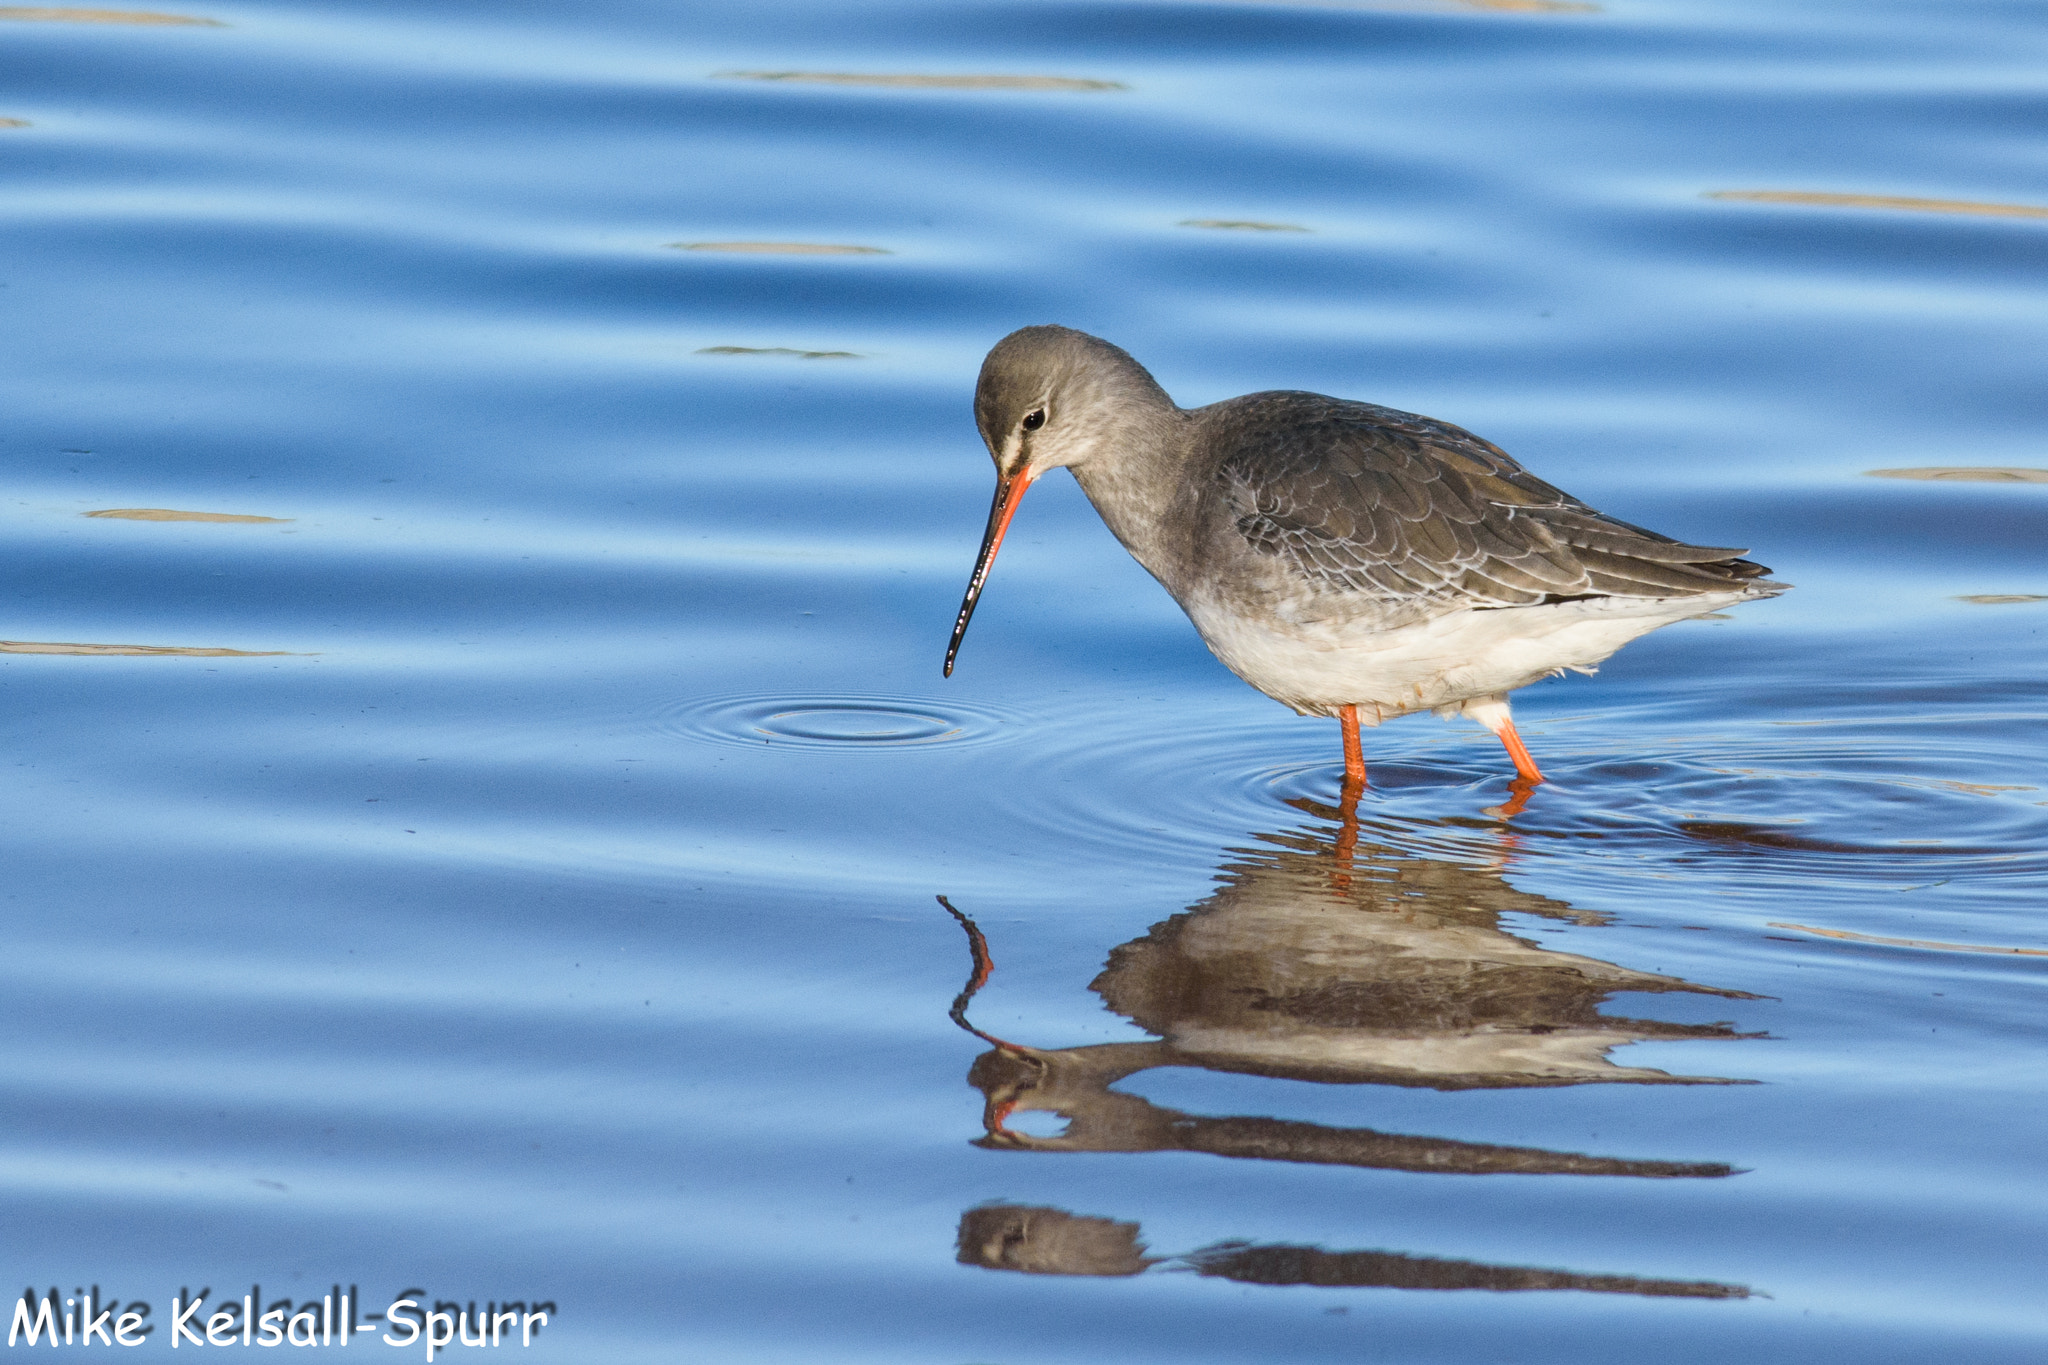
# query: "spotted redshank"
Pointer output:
{"type": "Point", "coordinates": [1346, 559]}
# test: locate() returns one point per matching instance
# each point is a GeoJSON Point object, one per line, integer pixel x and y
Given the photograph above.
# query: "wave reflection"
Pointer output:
{"type": "Point", "coordinates": [46, 15]}
{"type": "Point", "coordinates": [915, 81]}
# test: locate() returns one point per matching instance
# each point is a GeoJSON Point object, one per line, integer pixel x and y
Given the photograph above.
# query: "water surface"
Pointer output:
{"type": "Point", "coordinates": [487, 487]}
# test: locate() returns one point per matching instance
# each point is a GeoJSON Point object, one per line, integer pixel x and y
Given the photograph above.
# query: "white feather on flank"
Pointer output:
{"type": "Point", "coordinates": [1464, 661]}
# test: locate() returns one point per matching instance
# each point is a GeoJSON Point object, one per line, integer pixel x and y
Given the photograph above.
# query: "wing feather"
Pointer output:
{"type": "Point", "coordinates": [1360, 499]}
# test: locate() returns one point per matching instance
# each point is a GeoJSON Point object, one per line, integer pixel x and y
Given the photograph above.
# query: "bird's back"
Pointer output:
{"type": "Point", "coordinates": [1350, 509]}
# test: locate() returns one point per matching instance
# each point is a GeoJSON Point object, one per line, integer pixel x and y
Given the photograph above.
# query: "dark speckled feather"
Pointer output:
{"type": "Point", "coordinates": [1356, 498]}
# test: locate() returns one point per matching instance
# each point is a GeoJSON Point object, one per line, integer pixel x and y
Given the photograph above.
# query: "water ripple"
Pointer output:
{"type": "Point", "coordinates": [840, 722]}
{"type": "Point", "coordinates": [1207, 777]}
{"type": "Point", "coordinates": [1748, 804]}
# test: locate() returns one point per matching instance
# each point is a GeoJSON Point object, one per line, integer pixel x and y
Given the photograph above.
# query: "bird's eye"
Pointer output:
{"type": "Point", "coordinates": [1034, 419]}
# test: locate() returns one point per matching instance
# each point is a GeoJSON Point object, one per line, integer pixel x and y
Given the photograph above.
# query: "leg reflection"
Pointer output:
{"type": "Point", "coordinates": [1518, 797]}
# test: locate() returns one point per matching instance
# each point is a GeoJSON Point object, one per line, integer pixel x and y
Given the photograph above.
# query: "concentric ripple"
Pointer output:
{"type": "Point", "coordinates": [1211, 776]}
{"type": "Point", "coordinates": [842, 722]}
{"type": "Point", "coordinates": [1748, 806]}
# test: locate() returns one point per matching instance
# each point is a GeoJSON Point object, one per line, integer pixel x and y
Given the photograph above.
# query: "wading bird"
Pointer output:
{"type": "Point", "coordinates": [1346, 559]}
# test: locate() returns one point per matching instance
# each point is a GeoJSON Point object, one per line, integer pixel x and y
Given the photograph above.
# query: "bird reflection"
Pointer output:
{"type": "Point", "coordinates": [1322, 958]}
{"type": "Point", "coordinates": [1326, 957]}
{"type": "Point", "coordinates": [1040, 1241]}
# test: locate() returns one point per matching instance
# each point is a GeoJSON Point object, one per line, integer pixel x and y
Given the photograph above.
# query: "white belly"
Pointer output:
{"type": "Point", "coordinates": [1438, 664]}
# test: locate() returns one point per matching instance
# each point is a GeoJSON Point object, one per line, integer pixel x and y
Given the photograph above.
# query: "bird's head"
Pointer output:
{"type": "Point", "coordinates": [1047, 397]}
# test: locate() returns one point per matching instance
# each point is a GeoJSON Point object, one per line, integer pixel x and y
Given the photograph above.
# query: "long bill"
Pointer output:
{"type": "Point", "coordinates": [1009, 492]}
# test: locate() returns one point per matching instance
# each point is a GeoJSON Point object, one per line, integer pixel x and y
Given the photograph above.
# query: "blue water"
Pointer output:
{"type": "Point", "coordinates": [554, 917]}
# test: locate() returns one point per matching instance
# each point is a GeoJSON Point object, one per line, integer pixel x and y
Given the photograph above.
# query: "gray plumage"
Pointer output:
{"type": "Point", "coordinates": [1342, 557]}
{"type": "Point", "coordinates": [1358, 499]}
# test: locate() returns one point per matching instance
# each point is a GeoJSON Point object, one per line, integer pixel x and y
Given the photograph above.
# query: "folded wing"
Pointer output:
{"type": "Point", "coordinates": [1363, 499]}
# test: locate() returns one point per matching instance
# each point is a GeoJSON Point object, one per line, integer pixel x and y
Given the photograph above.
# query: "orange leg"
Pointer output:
{"type": "Point", "coordinates": [1354, 752]}
{"type": "Point", "coordinates": [1518, 751]}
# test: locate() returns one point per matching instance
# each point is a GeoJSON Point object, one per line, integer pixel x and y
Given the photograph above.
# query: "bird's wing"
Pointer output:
{"type": "Point", "coordinates": [1363, 499]}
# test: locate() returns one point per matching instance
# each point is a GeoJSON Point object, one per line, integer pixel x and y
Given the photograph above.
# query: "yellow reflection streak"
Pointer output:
{"type": "Point", "coordinates": [1818, 199]}
{"type": "Point", "coordinates": [918, 82]}
{"type": "Point", "coordinates": [1962, 473]}
{"type": "Point", "coordinates": [1914, 942]}
{"type": "Point", "coordinates": [167, 514]}
{"type": "Point", "coordinates": [1409, 6]}
{"type": "Point", "coordinates": [190, 651]}
{"type": "Point", "coordinates": [1240, 225]}
{"type": "Point", "coordinates": [38, 14]}
{"type": "Point", "coordinates": [784, 248]}
{"type": "Point", "coordinates": [778, 350]}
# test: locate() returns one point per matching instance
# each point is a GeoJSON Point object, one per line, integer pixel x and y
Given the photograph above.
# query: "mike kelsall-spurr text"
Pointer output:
{"type": "Point", "coordinates": [86, 1319]}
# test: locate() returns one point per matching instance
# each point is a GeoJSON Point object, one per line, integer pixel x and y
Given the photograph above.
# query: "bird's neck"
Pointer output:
{"type": "Point", "coordinates": [1134, 477]}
